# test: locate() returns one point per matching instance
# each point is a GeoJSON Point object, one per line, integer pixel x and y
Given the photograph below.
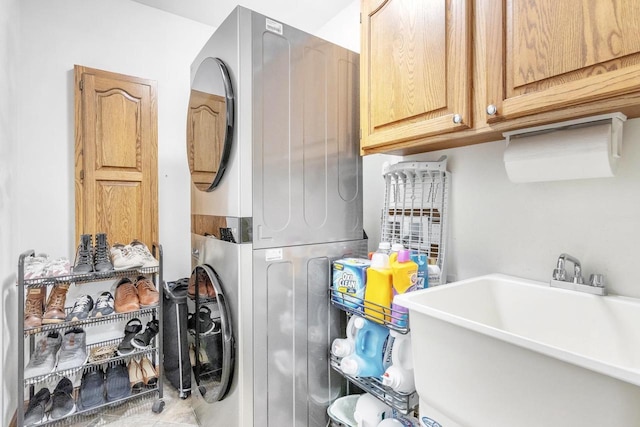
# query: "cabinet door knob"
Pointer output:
{"type": "Point", "coordinates": [457, 119]}
{"type": "Point", "coordinates": [492, 110]}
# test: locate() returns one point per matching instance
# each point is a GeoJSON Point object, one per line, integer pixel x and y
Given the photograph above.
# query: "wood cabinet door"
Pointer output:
{"type": "Point", "coordinates": [116, 180]}
{"type": "Point", "coordinates": [548, 54]}
{"type": "Point", "coordinates": [414, 69]}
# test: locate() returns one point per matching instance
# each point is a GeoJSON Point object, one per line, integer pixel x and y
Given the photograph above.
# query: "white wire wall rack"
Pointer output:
{"type": "Point", "coordinates": [415, 210]}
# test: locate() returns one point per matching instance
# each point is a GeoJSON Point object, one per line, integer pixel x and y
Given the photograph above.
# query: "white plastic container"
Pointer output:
{"type": "Point", "coordinates": [343, 347]}
{"type": "Point", "coordinates": [370, 411]}
{"type": "Point", "coordinates": [399, 376]}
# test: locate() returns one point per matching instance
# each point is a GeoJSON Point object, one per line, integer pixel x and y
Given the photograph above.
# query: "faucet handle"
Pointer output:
{"type": "Point", "coordinates": [597, 280]}
{"type": "Point", "coordinates": [559, 274]}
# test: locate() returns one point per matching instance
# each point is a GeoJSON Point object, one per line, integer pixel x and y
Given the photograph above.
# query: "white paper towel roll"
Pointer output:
{"type": "Point", "coordinates": [569, 153]}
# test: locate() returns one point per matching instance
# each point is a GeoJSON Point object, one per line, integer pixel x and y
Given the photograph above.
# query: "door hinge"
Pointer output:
{"type": "Point", "coordinates": [360, 133]}
{"type": "Point", "coordinates": [81, 83]}
{"type": "Point", "coordinates": [361, 18]}
{"type": "Point", "coordinates": [81, 175]}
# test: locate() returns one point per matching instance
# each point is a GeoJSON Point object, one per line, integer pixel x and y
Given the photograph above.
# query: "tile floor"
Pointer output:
{"type": "Point", "coordinates": [137, 412]}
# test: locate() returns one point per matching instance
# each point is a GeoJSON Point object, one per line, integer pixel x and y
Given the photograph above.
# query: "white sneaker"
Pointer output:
{"type": "Point", "coordinates": [142, 252]}
{"type": "Point", "coordinates": [124, 257]}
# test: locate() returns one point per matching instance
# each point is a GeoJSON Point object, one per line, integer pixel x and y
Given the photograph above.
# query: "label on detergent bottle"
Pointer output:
{"type": "Point", "coordinates": [428, 422]}
{"type": "Point", "coordinates": [387, 351]}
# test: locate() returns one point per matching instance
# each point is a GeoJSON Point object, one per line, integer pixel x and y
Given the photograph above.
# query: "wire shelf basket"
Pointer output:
{"type": "Point", "coordinates": [415, 210]}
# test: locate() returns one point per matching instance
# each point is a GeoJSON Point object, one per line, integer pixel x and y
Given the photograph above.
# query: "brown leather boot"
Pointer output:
{"type": "Point", "coordinates": [34, 307]}
{"type": "Point", "coordinates": [55, 304]}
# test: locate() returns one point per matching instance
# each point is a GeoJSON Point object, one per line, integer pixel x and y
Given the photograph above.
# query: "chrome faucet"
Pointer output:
{"type": "Point", "coordinates": [559, 278]}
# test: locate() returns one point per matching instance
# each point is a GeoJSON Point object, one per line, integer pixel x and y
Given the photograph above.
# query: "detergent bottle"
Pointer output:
{"type": "Point", "coordinates": [378, 293]}
{"type": "Point", "coordinates": [372, 348]}
{"type": "Point", "coordinates": [384, 248]}
{"type": "Point", "coordinates": [405, 277]}
{"type": "Point", "coordinates": [399, 376]}
{"type": "Point", "coordinates": [369, 411]}
{"type": "Point", "coordinates": [423, 275]}
{"type": "Point", "coordinates": [343, 347]}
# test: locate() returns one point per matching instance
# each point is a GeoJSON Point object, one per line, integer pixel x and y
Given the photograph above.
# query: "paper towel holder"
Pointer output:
{"type": "Point", "coordinates": [565, 150]}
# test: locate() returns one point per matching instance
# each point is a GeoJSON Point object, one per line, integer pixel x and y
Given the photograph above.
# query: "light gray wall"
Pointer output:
{"type": "Point", "coordinates": [9, 18]}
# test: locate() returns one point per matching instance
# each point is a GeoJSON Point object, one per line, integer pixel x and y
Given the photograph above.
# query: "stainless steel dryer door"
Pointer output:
{"type": "Point", "coordinates": [211, 341]}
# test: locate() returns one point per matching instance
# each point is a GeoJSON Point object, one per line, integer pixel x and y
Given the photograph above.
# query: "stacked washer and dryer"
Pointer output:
{"type": "Point", "coordinates": [284, 202]}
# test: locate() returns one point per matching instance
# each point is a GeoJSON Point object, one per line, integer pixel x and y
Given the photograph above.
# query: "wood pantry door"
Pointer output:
{"type": "Point", "coordinates": [116, 156]}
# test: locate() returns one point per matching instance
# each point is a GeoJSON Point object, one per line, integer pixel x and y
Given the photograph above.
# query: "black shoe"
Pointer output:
{"type": "Point", "coordinates": [63, 403]}
{"type": "Point", "coordinates": [130, 330]}
{"type": "Point", "coordinates": [36, 411]}
{"type": "Point", "coordinates": [84, 256]}
{"type": "Point", "coordinates": [117, 382]}
{"type": "Point", "coordinates": [81, 308]}
{"type": "Point", "coordinates": [91, 390]}
{"type": "Point", "coordinates": [102, 255]}
{"type": "Point", "coordinates": [143, 339]}
{"type": "Point", "coordinates": [203, 323]}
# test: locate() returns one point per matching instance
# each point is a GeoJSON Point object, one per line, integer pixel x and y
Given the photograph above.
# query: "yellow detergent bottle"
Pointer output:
{"type": "Point", "coordinates": [405, 278]}
{"type": "Point", "coordinates": [378, 293]}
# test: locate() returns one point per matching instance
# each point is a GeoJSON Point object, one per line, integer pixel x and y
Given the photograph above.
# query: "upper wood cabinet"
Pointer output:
{"type": "Point", "coordinates": [414, 69]}
{"type": "Point", "coordinates": [553, 54]}
{"type": "Point", "coordinates": [501, 64]}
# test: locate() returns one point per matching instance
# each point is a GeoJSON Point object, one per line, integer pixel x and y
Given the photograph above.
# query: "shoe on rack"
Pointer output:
{"type": "Point", "coordinates": [102, 254]}
{"type": "Point", "coordinates": [126, 296]}
{"type": "Point", "coordinates": [81, 308]}
{"type": "Point", "coordinates": [205, 366]}
{"type": "Point", "coordinates": [143, 339]}
{"type": "Point", "coordinates": [84, 256]}
{"type": "Point", "coordinates": [136, 380]}
{"type": "Point", "coordinates": [147, 293]}
{"type": "Point", "coordinates": [117, 382]}
{"type": "Point", "coordinates": [57, 267]}
{"type": "Point", "coordinates": [36, 412]}
{"type": "Point", "coordinates": [43, 359]}
{"type": "Point", "coordinates": [91, 392]}
{"type": "Point", "coordinates": [149, 373]}
{"type": "Point", "coordinates": [34, 307]}
{"type": "Point", "coordinates": [143, 253]}
{"type": "Point", "coordinates": [55, 304]}
{"type": "Point", "coordinates": [124, 257]}
{"type": "Point", "coordinates": [202, 323]}
{"type": "Point", "coordinates": [35, 266]}
{"type": "Point", "coordinates": [73, 351]}
{"type": "Point", "coordinates": [104, 305]}
{"type": "Point", "coordinates": [62, 400]}
{"type": "Point", "coordinates": [132, 327]}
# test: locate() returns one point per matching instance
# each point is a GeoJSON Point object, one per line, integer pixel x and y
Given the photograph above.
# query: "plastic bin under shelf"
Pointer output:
{"type": "Point", "coordinates": [375, 312]}
{"type": "Point", "coordinates": [403, 402]}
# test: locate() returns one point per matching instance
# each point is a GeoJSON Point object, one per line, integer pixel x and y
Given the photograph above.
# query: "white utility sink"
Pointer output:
{"type": "Point", "coordinates": [497, 351]}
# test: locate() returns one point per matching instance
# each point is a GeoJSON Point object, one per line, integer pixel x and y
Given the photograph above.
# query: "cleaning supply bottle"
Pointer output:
{"type": "Point", "coordinates": [384, 247]}
{"type": "Point", "coordinates": [372, 347]}
{"type": "Point", "coordinates": [423, 274]}
{"type": "Point", "coordinates": [395, 248]}
{"type": "Point", "coordinates": [399, 376]}
{"type": "Point", "coordinates": [405, 277]}
{"type": "Point", "coordinates": [370, 411]}
{"type": "Point", "coordinates": [343, 347]}
{"type": "Point", "coordinates": [379, 290]}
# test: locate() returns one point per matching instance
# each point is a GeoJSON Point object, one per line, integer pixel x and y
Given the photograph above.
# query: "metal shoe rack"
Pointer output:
{"type": "Point", "coordinates": [414, 214]}
{"type": "Point", "coordinates": [27, 345]}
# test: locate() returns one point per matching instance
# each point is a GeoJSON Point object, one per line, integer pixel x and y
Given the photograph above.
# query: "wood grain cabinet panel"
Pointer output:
{"type": "Point", "coordinates": [414, 65]}
{"type": "Point", "coordinates": [558, 54]}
